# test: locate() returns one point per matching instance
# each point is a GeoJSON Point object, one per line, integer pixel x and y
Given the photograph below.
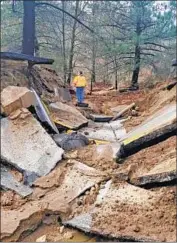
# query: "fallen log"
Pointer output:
{"type": "Point", "coordinates": [147, 141]}
{"type": "Point", "coordinates": [23, 57]}
{"type": "Point", "coordinates": [123, 111]}
{"type": "Point", "coordinates": [128, 89]}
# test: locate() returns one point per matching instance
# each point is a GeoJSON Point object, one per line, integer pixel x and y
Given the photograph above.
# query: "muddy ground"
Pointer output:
{"type": "Point", "coordinates": [56, 197]}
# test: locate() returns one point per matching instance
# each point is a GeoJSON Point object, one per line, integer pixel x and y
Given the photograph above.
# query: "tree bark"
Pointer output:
{"type": "Point", "coordinates": [63, 35]}
{"type": "Point", "coordinates": [28, 43]}
{"type": "Point", "coordinates": [115, 60]}
{"type": "Point", "coordinates": [136, 70]}
{"type": "Point", "coordinates": [70, 66]}
{"type": "Point", "coordinates": [93, 73]}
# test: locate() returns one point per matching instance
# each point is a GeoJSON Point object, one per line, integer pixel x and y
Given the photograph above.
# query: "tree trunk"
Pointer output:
{"type": "Point", "coordinates": [93, 73]}
{"type": "Point", "coordinates": [115, 59]}
{"type": "Point", "coordinates": [136, 70]}
{"type": "Point", "coordinates": [70, 67]}
{"type": "Point", "coordinates": [28, 43]}
{"type": "Point", "coordinates": [116, 79]}
{"type": "Point", "coordinates": [64, 51]}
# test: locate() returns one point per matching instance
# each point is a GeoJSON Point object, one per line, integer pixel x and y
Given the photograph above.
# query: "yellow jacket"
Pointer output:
{"type": "Point", "coordinates": [79, 81]}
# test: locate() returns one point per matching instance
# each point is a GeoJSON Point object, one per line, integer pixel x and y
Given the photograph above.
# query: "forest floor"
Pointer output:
{"type": "Point", "coordinates": [71, 190]}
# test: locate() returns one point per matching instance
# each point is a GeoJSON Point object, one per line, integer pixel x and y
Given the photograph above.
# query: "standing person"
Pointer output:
{"type": "Point", "coordinates": [80, 83]}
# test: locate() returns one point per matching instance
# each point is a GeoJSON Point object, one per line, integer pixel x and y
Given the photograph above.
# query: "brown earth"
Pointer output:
{"type": "Point", "coordinates": [143, 161]}
{"type": "Point", "coordinates": [155, 221]}
{"type": "Point", "coordinates": [158, 219]}
{"type": "Point", "coordinates": [89, 156]}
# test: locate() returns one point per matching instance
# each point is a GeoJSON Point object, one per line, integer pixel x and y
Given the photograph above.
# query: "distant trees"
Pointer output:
{"type": "Point", "coordinates": [108, 39]}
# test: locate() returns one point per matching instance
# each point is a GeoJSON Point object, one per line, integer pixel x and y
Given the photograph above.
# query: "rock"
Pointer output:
{"type": "Point", "coordinates": [62, 229]}
{"type": "Point", "coordinates": [73, 155]}
{"type": "Point", "coordinates": [136, 229]}
{"type": "Point", "coordinates": [68, 235]}
{"type": "Point", "coordinates": [134, 113]}
{"type": "Point", "coordinates": [71, 141]}
{"type": "Point", "coordinates": [79, 202]}
{"type": "Point", "coordinates": [14, 98]}
{"type": "Point", "coordinates": [137, 108]}
{"type": "Point", "coordinates": [42, 239]}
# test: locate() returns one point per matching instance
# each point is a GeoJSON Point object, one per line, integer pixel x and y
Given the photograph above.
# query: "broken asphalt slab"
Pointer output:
{"type": "Point", "coordinates": [27, 146]}
{"type": "Point", "coordinates": [121, 211]}
{"type": "Point", "coordinates": [156, 128]}
{"type": "Point", "coordinates": [42, 113]}
{"type": "Point", "coordinates": [112, 131]}
{"type": "Point", "coordinates": [76, 179]}
{"type": "Point", "coordinates": [8, 181]}
{"type": "Point", "coordinates": [160, 173]}
{"type": "Point", "coordinates": [100, 118]}
{"type": "Point", "coordinates": [67, 116]}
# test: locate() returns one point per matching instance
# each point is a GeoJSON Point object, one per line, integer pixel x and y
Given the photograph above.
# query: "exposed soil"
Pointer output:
{"type": "Point", "coordinates": [101, 161]}
{"type": "Point", "coordinates": [156, 221]}
{"type": "Point", "coordinates": [68, 190]}
{"type": "Point", "coordinates": [143, 161]}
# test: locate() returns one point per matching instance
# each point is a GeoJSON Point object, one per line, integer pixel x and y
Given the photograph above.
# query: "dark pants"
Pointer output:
{"type": "Point", "coordinates": [80, 94]}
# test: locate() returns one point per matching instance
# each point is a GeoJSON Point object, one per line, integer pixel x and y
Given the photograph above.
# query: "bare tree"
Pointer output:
{"type": "Point", "coordinates": [63, 50]}
{"type": "Point", "coordinates": [73, 37]}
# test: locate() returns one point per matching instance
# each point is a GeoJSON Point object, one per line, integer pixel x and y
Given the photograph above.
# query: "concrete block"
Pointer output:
{"type": "Point", "coordinates": [100, 118]}
{"type": "Point", "coordinates": [27, 146]}
{"type": "Point", "coordinates": [67, 116]}
{"type": "Point", "coordinates": [9, 182]}
{"type": "Point", "coordinates": [13, 98]}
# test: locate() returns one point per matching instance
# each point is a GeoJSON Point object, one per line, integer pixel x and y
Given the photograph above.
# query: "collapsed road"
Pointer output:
{"type": "Point", "coordinates": [47, 184]}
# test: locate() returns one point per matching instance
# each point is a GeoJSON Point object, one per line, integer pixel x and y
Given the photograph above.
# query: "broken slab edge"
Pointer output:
{"type": "Point", "coordinates": [147, 141]}
{"type": "Point", "coordinates": [108, 236]}
{"type": "Point", "coordinates": [153, 179]}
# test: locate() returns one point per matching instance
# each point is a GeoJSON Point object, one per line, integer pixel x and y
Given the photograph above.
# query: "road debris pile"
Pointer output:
{"type": "Point", "coordinates": [111, 175]}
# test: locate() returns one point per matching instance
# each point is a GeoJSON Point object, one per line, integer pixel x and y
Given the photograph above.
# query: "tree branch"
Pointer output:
{"type": "Point", "coordinates": [147, 54]}
{"type": "Point", "coordinates": [60, 9]}
{"type": "Point", "coordinates": [155, 44]}
{"type": "Point", "coordinates": [150, 49]}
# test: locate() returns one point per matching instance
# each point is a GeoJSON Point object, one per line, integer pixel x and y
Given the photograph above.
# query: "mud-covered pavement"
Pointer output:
{"type": "Point", "coordinates": [88, 194]}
